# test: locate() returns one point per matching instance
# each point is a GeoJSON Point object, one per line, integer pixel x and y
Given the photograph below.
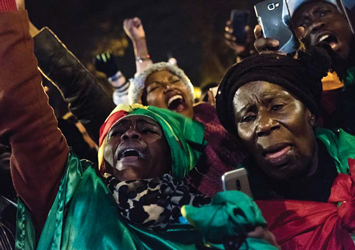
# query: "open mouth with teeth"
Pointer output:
{"type": "Point", "coordinates": [176, 103]}
{"type": "Point", "coordinates": [330, 39]}
{"type": "Point", "coordinates": [132, 153]}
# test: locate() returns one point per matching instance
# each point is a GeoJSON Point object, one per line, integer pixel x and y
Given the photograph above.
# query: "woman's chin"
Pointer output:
{"type": "Point", "coordinates": [129, 174]}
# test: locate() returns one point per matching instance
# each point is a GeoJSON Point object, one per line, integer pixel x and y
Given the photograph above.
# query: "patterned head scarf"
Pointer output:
{"type": "Point", "coordinates": [184, 136]}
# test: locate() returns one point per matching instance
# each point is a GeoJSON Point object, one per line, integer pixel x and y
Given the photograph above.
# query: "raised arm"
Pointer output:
{"type": "Point", "coordinates": [135, 31]}
{"type": "Point", "coordinates": [87, 100]}
{"type": "Point", "coordinates": [27, 123]}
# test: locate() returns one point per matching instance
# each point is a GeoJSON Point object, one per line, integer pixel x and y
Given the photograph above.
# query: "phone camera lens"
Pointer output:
{"type": "Point", "coordinates": [271, 6]}
{"type": "Point", "coordinates": [238, 185]}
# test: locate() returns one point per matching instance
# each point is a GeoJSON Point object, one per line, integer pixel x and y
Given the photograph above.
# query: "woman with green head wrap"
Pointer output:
{"type": "Point", "coordinates": [64, 203]}
{"type": "Point", "coordinates": [145, 153]}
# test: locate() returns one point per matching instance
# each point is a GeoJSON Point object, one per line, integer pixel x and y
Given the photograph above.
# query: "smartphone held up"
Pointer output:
{"type": "Point", "coordinates": [239, 19]}
{"type": "Point", "coordinates": [275, 21]}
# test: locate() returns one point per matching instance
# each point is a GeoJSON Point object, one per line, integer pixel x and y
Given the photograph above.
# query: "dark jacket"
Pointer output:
{"type": "Point", "coordinates": [88, 101]}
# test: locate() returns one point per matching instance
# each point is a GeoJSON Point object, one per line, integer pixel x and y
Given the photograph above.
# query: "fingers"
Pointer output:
{"type": "Point", "coordinates": [249, 34]}
{"type": "Point", "coordinates": [231, 41]}
{"type": "Point", "coordinates": [264, 44]}
{"type": "Point", "coordinates": [103, 57]}
{"type": "Point", "coordinates": [247, 29]}
{"type": "Point", "coordinates": [258, 32]}
{"type": "Point", "coordinates": [229, 37]}
{"type": "Point", "coordinates": [264, 234]}
{"type": "Point", "coordinates": [228, 34]}
{"type": "Point", "coordinates": [300, 33]}
{"type": "Point", "coordinates": [134, 28]}
{"type": "Point", "coordinates": [228, 27]}
{"type": "Point", "coordinates": [132, 22]}
{"type": "Point", "coordinates": [126, 25]}
{"type": "Point", "coordinates": [136, 22]}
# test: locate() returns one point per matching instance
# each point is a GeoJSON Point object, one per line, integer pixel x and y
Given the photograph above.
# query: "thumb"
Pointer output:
{"type": "Point", "coordinates": [258, 31]}
{"type": "Point", "coordinates": [300, 33]}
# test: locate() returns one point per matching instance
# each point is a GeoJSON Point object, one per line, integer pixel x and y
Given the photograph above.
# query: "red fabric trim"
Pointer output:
{"type": "Point", "coordinates": [106, 126]}
{"type": "Point", "coordinates": [7, 5]}
{"type": "Point", "coordinates": [315, 225]}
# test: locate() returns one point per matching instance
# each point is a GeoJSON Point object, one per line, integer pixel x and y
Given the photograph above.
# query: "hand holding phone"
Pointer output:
{"type": "Point", "coordinates": [274, 19]}
{"type": "Point", "coordinates": [239, 20]}
{"type": "Point", "coordinates": [237, 180]}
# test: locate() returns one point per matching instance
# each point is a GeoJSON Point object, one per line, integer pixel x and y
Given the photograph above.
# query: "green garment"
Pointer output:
{"type": "Point", "coordinates": [349, 79]}
{"type": "Point", "coordinates": [231, 213]}
{"type": "Point", "coordinates": [84, 215]}
{"type": "Point", "coordinates": [340, 147]}
{"type": "Point", "coordinates": [218, 220]}
{"type": "Point", "coordinates": [184, 136]}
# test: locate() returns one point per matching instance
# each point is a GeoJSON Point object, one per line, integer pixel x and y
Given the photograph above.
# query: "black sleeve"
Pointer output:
{"type": "Point", "coordinates": [87, 100]}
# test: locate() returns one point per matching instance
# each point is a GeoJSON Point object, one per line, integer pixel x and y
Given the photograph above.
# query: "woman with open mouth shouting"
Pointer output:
{"type": "Point", "coordinates": [317, 22]}
{"type": "Point", "coordinates": [166, 86]}
{"type": "Point", "coordinates": [144, 156]}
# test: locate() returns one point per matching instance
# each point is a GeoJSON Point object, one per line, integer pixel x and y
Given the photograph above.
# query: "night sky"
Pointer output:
{"type": "Point", "coordinates": [191, 31]}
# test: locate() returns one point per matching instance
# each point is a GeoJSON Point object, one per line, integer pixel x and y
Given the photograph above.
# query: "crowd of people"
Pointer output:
{"type": "Point", "coordinates": [156, 180]}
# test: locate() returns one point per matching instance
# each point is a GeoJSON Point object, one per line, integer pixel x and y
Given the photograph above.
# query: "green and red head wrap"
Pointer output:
{"type": "Point", "coordinates": [184, 136]}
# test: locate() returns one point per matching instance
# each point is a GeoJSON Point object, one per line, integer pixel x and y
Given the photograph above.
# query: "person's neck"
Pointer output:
{"type": "Point", "coordinates": [314, 163]}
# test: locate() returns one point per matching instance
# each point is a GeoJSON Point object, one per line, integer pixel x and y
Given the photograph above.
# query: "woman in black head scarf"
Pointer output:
{"type": "Point", "coordinates": [270, 103]}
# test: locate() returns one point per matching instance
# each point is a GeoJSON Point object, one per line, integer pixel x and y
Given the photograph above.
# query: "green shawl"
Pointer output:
{"type": "Point", "coordinates": [340, 146]}
{"type": "Point", "coordinates": [84, 215]}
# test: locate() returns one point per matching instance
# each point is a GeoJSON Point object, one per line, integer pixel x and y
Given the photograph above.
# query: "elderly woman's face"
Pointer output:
{"type": "Point", "coordinates": [137, 149]}
{"type": "Point", "coordinates": [166, 90]}
{"type": "Point", "coordinates": [276, 128]}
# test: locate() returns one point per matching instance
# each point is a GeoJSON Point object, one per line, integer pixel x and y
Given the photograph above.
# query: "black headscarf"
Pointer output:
{"type": "Point", "coordinates": [301, 77]}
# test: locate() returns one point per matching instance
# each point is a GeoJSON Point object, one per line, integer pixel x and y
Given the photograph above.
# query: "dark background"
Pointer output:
{"type": "Point", "coordinates": [189, 30]}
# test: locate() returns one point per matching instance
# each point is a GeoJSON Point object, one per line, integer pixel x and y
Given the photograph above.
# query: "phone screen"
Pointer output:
{"type": "Point", "coordinates": [275, 21]}
{"type": "Point", "coordinates": [239, 19]}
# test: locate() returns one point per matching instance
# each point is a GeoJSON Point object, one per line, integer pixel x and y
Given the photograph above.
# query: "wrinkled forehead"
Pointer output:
{"type": "Point", "coordinates": [137, 119]}
{"type": "Point", "coordinates": [257, 91]}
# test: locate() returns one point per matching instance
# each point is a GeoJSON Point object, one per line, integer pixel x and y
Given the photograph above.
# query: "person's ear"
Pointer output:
{"type": "Point", "coordinates": [313, 121]}
{"type": "Point", "coordinates": [312, 118]}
